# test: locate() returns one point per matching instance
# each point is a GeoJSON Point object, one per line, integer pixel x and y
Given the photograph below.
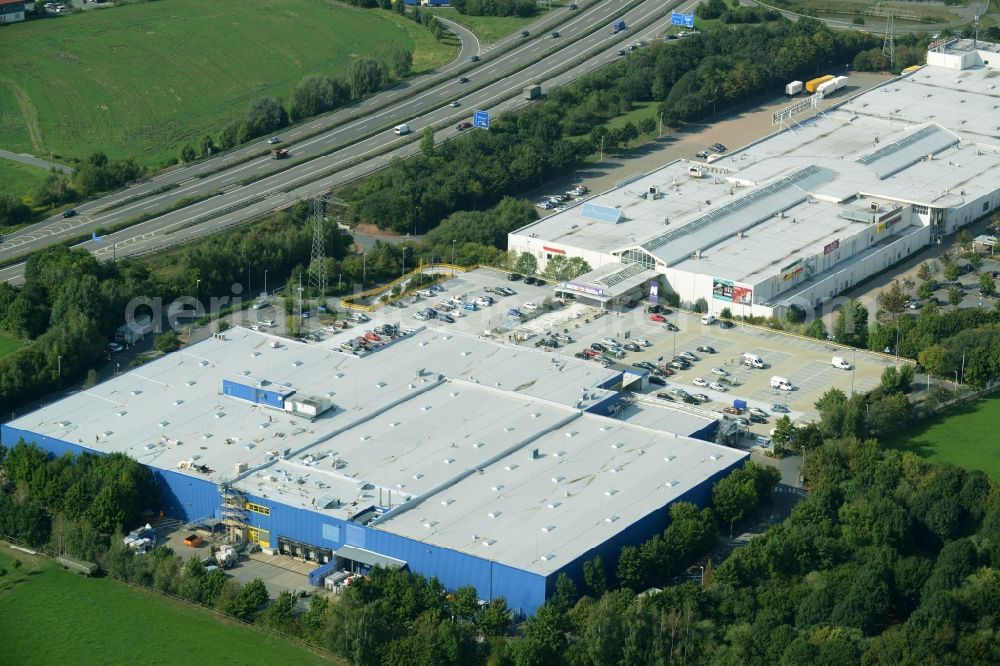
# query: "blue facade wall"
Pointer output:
{"type": "Point", "coordinates": [57, 447]}
{"type": "Point", "coordinates": [615, 380]}
{"type": "Point", "coordinates": [706, 434]}
{"type": "Point", "coordinates": [253, 394]}
{"type": "Point", "coordinates": [317, 575]}
{"type": "Point", "coordinates": [606, 406]}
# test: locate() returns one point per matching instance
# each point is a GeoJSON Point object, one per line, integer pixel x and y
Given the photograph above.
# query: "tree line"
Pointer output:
{"type": "Point", "coordinates": [687, 78]}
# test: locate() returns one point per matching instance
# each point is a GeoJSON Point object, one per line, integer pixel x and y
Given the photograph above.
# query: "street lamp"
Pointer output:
{"type": "Point", "coordinates": [265, 282]}
{"type": "Point", "coordinates": [602, 147]}
{"type": "Point", "coordinates": [364, 266]}
{"type": "Point", "coordinates": [403, 272]}
{"type": "Point", "coordinates": [59, 362]}
{"type": "Point", "coordinates": [660, 133]}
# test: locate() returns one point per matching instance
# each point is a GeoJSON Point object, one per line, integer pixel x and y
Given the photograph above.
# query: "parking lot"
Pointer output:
{"type": "Point", "coordinates": [804, 361]}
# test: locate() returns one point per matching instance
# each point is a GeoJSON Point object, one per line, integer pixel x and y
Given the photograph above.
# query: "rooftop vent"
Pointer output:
{"type": "Point", "coordinates": [558, 479]}
{"type": "Point", "coordinates": [447, 502]}
{"type": "Point", "coordinates": [554, 504]}
{"type": "Point", "coordinates": [448, 461]}
{"type": "Point", "coordinates": [548, 528]}
{"type": "Point", "coordinates": [430, 523]}
{"type": "Point", "coordinates": [497, 488]}
{"type": "Point", "coordinates": [495, 514]}
{"type": "Point", "coordinates": [610, 492]}
{"type": "Point", "coordinates": [489, 542]}
{"type": "Point", "coordinates": [178, 402]}
{"type": "Point", "coordinates": [190, 382]}
{"type": "Point", "coordinates": [547, 557]}
{"type": "Point", "coordinates": [163, 424]}
{"type": "Point", "coordinates": [618, 445]}
{"type": "Point", "coordinates": [511, 467]}
{"type": "Point", "coordinates": [418, 476]}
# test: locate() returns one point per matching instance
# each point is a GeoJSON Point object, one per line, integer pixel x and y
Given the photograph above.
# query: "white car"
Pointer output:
{"type": "Point", "coordinates": [273, 140]}
{"type": "Point", "coordinates": [716, 386]}
{"type": "Point", "coordinates": [610, 342]}
{"type": "Point", "coordinates": [260, 305]}
{"type": "Point", "coordinates": [454, 104]}
{"type": "Point", "coordinates": [529, 306]}
{"type": "Point", "coordinates": [698, 381]}
{"type": "Point", "coordinates": [270, 323]}
{"type": "Point", "coordinates": [642, 342]}
{"type": "Point", "coordinates": [720, 372]}
{"type": "Point", "coordinates": [114, 347]}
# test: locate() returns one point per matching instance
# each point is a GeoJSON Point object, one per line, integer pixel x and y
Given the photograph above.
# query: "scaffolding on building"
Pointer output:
{"type": "Point", "coordinates": [234, 512]}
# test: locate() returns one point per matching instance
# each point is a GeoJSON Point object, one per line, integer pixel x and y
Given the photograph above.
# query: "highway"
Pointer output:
{"type": "Point", "coordinates": [229, 202]}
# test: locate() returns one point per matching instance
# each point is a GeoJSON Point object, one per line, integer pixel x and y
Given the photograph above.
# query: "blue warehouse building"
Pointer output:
{"type": "Point", "coordinates": [478, 463]}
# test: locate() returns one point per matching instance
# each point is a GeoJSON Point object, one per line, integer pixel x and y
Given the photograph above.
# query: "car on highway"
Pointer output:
{"type": "Point", "coordinates": [698, 381]}
{"type": "Point", "coordinates": [706, 349]}
{"type": "Point", "coordinates": [657, 317]}
{"type": "Point", "coordinates": [621, 52]}
{"type": "Point", "coordinates": [474, 58]}
{"type": "Point", "coordinates": [114, 347]}
{"type": "Point", "coordinates": [719, 372]}
{"type": "Point", "coordinates": [273, 140]}
{"type": "Point", "coordinates": [69, 213]}
{"type": "Point", "coordinates": [463, 126]}
{"type": "Point", "coordinates": [717, 148]}
{"type": "Point", "coordinates": [779, 409]}
{"type": "Point", "coordinates": [555, 34]}
{"type": "Point", "coordinates": [455, 104]}
{"type": "Point", "coordinates": [463, 79]}
{"type": "Point", "coordinates": [716, 386]}
{"type": "Point", "coordinates": [525, 33]}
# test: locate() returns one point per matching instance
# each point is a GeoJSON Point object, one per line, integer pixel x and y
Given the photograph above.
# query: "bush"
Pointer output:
{"type": "Point", "coordinates": [701, 305]}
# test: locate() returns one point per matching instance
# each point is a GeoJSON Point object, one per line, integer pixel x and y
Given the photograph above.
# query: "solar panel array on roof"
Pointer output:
{"type": "Point", "coordinates": [625, 273]}
{"type": "Point", "coordinates": [599, 213]}
{"type": "Point", "coordinates": [899, 145]}
{"type": "Point", "coordinates": [727, 210]}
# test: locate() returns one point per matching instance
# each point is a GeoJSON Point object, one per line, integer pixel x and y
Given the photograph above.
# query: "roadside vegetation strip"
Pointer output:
{"type": "Point", "coordinates": [127, 612]}
{"type": "Point", "coordinates": [165, 93]}
{"type": "Point", "coordinates": [9, 345]}
{"type": "Point", "coordinates": [964, 436]}
{"type": "Point", "coordinates": [136, 197]}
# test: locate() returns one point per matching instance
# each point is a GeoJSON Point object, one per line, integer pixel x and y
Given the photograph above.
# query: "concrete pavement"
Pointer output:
{"type": "Point", "coordinates": [31, 160]}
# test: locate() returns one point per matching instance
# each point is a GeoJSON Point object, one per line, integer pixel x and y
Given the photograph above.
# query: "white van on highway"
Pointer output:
{"type": "Point", "coordinates": [402, 129]}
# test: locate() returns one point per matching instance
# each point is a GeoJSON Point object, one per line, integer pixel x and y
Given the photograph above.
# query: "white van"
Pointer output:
{"type": "Point", "coordinates": [401, 129]}
{"type": "Point", "coordinates": [781, 384]}
{"type": "Point", "coordinates": [841, 363]}
{"type": "Point", "coordinates": [752, 360]}
{"type": "Point", "coordinates": [708, 319]}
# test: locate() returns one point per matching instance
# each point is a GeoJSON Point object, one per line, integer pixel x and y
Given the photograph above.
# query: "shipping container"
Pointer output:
{"type": "Point", "coordinates": [813, 84]}
{"type": "Point", "coordinates": [255, 394]}
{"type": "Point", "coordinates": [841, 82]}
{"type": "Point", "coordinates": [793, 88]}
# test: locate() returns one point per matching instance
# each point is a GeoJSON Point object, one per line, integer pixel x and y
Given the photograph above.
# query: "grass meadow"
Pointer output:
{"type": "Point", "coordinates": [965, 437]}
{"type": "Point", "coordinates": [8, 345]}
{"type": "Point", "coordinates": [52, 616]}
{"type": "Point", "coordinates": [141, 80]}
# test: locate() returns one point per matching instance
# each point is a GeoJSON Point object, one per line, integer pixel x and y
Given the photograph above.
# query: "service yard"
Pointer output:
{"type": "Point", "coordinates": [803, 361]}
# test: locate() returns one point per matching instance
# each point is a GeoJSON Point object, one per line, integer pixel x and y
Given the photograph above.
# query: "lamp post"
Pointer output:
{"type": "Point", "coordinates": [602, 147]}
{"type": "Point", "coordinates": [660, 133]}
{"type": "Point", "coordinates": [265, 282]}
{"type": "Point", "coordinates": [59, 362]}
{"type": "Point", "coordinates": [715, 98]}
{"type": "Point", "coordinates": [197, 289]}
{"type": "Point", "coordinates": [403, 272]}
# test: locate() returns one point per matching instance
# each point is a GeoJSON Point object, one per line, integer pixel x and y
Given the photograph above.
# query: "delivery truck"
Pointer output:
{"type": "Point", "coordinates": [813, 84]}
{"type": "Point", "coordinates": [617, 26]}
{"type": "Point", "coordinates": [793, 88]}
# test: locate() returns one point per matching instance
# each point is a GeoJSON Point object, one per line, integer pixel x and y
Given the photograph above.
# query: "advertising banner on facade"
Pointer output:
{"type": "Point", "coordinates": [831, 247]}
{"type": "Point", "coordinates": [722, 290]}
{"type": "Point", "coordinates": [742, 295]}
{"type": "Point", "coordinates": [790, 271]}
{"type": "Point", "coordinates": [654, 292]}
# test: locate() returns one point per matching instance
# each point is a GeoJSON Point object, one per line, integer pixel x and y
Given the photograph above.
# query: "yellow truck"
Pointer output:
{"type": "Point", "coordinates": [815, 83]}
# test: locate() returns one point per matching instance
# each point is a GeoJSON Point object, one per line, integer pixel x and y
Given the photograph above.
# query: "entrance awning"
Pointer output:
{"type": "Point", "coordinates": [368, 557]}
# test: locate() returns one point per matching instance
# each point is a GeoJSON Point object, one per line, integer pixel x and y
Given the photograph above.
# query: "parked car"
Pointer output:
{"type": "Point", "coordinates": [759, 412]}
{"type": "Point", "coordinates": [698, 381]}
{"type": "Point", "coordinates": [529, 306]}
{"type": "Point", "coordinates": [725, 323]}
{"type": "Point", "coordinates": [779, 409]}
{"type": "Point", "coordinates": [671, 327]}
{"type": "Point", "coordinates": [658, 381]}
{"type": "Point", "coordinates": [514, 277]}
{"type": "Point", "coordinates": [581, 355]}
{"type": "Point", "coordinates": [545, 205]}
{"type": "Point", "coordinates": [717, 148]}
{"type": "Point", "coordinates": [657, 317]}
{"type": "Point", "coordinates": [677, 365]}
{"type": "Point", "coordinates": [703, 154]}
{"type": "Point", "coordinates": [719, 372]}
{"type": "Point", "coordinates": [743, 422]}
{"type": "Point", "coordinates": [666, 396]}
{"type": "Point", "coordinates": [114, 347]}
{"type": "Point", "coordinates": [597, 346]}
{"type": "Point", "coordinates": [716, 386]}
{"type": "Point", "coordinates": [757, 418]}
{"type": "Point", "coordinates": [514, 312]}
{"type": "Point", "coordinates": [706, 349]}
{"type": "Point", "coordinates": [701, 397]}
{"type": "Point", "coordinates": [631, 346]}
{"type": "Point", "coordinates": [446, 318]}
{"type": "Point", "coordinates": [688, 356]}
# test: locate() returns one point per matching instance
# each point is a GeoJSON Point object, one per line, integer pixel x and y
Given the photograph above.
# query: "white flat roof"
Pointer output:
{"type": "Point", "coordinates": [875, 144]}
{"type": "Point", "coordinates": [593, 477]}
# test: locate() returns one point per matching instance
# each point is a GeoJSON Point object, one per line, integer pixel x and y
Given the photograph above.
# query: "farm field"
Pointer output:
{"type": "Point", "coordinates": [965, 437]}
{"type": "Point", "coordinates": [16, 178]}
{"type": "Point", "coordinates": [141, 80]}
{"type": "Point", "coordinates": [53, 616]}
{"type": "Point", "coordinates": [8, 345]}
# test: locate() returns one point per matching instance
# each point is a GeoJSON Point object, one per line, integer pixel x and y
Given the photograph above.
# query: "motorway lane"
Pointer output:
{"type": "Point", "coordinates": [152, 232]}
{"type": "Point", "coordinates": [379, 112]}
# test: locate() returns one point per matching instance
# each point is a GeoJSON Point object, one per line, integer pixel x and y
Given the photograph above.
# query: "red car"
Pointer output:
{"type": "Point", "coordinates": [590, 352]}
{"type": "Point", "coordinates": [463, 126]}
{"type": "Point", "coordinates": [657, 317]}
{"type": "Point", "coordinates": [667, 370]}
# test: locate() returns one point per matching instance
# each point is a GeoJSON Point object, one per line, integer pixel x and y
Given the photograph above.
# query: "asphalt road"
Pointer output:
{"type": "Point", "coordinates": [237, 203]}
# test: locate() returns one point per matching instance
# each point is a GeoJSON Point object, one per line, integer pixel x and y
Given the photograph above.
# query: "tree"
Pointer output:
{"type": "Point", "coordinates": [525, 264]}
{"type": "Point", "coordinates": [188, 153]}
{"type": "Point", "coordinates": [495, 618]}
{"type": "Point", "coordinates": [594, 576]}
{"type": "Point", "coordinates": [401, 60]}
{"type": "Point", "coordinates": [892, 300]}
{"type": "Point", "coordinates": [427, 142]}
{"type": "Point", "coordinates": [963, 239]}
{"type": "Point", "coordinates": [733, 498]}
{"type": "Point", "coordinates": [987, 284]}
{"type": "Point", "coordinates": [700, 305]}
{"type": "Point", "coordinates": [464, 602]}
{"type": "Point", "coordinates": [630, 567]}
{"type": "Point", "coordinates": [906, 374]}
{"type": "Point", "coordinates": [167, 342]}
{"type": "Point", "coordinates": [251, 596]}
{"type": "Point", "coordinates": [206, 146]}
{"type": "Point", "coordinates": [950, 271]}
{"type": "Point", "coordinates": [925, 290]}
{"type": "Point", "coordinates": [264, 116]}
{"type": "Point", "coordinates": [317, 94]}
{"type": "Point", "coordinates": [783, 431]}
{"type": "Point", "coordinates": [924, 272]}
{"type": "Point", "coordinates": [366, 76]}
{"type": "Point", "coordinates": [561, 269]}
{"type": "Point", "coordinates": [955, 296]}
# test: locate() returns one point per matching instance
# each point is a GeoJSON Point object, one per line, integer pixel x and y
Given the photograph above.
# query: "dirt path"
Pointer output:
{"type": "Point", "coordinates": [28, 112]}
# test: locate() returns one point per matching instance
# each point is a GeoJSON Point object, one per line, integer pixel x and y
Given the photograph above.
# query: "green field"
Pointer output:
{"type": "Point", "coordinates": [965, 436]}
{"type": "Point", "coordinates": [51, 616]}
{"type": "Point", "coordinates": [17, 178]}
{"type": "Point", "coordinates": [141, 80]}
{"type": "Point", "coordinates": [8, 345]}
{"type": "Point", "coordinates": [487, 28]}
